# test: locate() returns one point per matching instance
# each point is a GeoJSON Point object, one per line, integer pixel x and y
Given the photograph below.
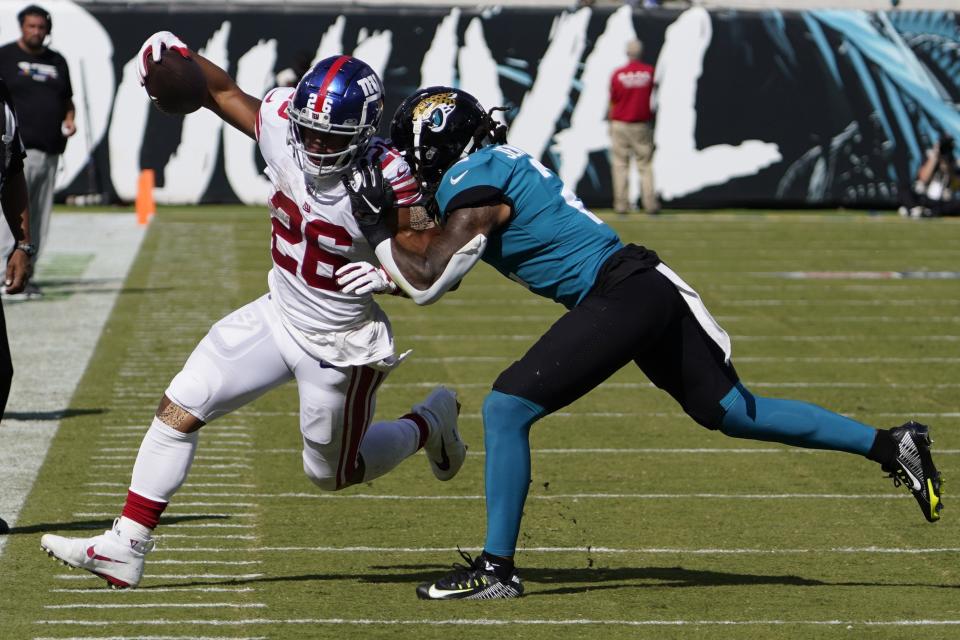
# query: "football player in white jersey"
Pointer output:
{"type": "Point", "coordinates": [318, 324]}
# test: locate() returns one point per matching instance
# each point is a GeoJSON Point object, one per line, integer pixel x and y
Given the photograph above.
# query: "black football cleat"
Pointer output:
{"type": "Point", "coordinates": [914, 467]}
{"type": "Point", "coordinates": [476, 581]}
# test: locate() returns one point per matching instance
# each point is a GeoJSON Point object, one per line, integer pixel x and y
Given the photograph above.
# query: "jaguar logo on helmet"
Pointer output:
{"type": "Point", "coordinates": [434, 111]}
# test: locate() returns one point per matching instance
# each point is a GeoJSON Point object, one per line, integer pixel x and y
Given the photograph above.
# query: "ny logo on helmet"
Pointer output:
{"type": "Point", "coordinates": [370, 86]}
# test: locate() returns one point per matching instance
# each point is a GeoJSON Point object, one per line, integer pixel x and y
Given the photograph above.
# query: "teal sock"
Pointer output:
{"type": "Point", "coordinates": [800, 424]}
{"type": "Point", "coordinates": [506, 437]}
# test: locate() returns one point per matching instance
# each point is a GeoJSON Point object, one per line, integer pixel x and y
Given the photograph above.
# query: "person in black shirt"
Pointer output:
{"type": "Point", "coordinates": [14, 202]}
{"type": "Point", "coordinates": [39, 82]}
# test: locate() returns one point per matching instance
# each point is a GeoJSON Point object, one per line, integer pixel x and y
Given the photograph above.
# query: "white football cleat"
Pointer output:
{"type": "Point", "coordinates": [444, 448]}
{"type": "Point", "coordinates": [118, 562]}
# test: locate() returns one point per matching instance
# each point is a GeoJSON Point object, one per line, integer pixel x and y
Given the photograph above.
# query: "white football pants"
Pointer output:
{"type": "Point", "coordinates": [250, 352]}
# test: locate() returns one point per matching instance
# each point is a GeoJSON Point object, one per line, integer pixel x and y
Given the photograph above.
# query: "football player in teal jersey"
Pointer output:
{"type": "Point", "coordinates": [497, 203]}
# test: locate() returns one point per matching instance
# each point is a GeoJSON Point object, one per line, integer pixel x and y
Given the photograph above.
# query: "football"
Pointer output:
{"type": "Point", "coordinates": [175, 84]}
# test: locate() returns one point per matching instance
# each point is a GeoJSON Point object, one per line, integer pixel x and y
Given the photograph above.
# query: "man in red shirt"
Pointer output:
{"type": "Point", "coordinates": [631, 132]}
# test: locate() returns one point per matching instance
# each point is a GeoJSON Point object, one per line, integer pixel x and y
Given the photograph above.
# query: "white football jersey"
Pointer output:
{"type": "Point", "coordinates": [313, 234]}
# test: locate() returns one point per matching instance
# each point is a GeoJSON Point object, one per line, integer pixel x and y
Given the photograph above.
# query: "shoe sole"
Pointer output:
{"type": "Point", "coordinates": [454, 462]}
{"type": "Point", "coordinates": [112, 582]}
{"type": "Point", "coordinates": [934, 490]}
{"type": "Point", "coordinates": [423, 594]}
{"type": "Point", "coordinates": [932, 510]}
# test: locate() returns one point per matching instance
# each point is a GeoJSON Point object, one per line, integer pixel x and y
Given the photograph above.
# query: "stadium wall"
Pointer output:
{"type": "Point", "coordinates": [765, 108]}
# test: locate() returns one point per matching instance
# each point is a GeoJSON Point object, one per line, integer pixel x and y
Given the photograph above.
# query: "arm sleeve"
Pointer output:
{"type": "Point", "coordinates": [460, 263]}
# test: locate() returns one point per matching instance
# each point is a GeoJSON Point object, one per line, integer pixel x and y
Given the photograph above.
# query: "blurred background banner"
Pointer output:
{"type": "Point", "coordinates": [759, 108]}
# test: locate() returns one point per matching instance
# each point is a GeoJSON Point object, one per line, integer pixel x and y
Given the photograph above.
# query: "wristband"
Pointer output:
{"type": "Point", "coordinates": [376, 232]}
{"type": "Point", "coordinates": [27, 248]}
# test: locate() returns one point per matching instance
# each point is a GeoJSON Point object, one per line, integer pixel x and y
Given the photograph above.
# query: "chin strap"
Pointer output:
{"type": "Point", "coordinates": [460, 263]}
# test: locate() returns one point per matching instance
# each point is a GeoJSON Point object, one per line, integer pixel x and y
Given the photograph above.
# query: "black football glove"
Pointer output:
{"type": "Point", "coordinates": [371, 197]}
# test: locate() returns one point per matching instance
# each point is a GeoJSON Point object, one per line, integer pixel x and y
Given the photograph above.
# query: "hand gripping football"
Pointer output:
{"type": "Point", "coordinates": [175, 84]}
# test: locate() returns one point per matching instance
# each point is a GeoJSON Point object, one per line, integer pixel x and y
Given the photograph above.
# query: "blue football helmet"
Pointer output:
{"type": "Point", "coordinates": [335, 111]}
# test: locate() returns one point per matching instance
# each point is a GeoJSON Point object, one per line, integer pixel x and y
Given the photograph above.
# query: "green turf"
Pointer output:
{"type": "Point", "coordinates": [748, 547]}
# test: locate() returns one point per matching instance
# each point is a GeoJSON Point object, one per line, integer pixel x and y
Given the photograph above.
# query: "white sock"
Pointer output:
{"type": "Point", "coordinates": [129, 529]}
{"type": "Point", "coordinates": [387, 444]}
{"type": "Point", "coordinates": [163, 461]}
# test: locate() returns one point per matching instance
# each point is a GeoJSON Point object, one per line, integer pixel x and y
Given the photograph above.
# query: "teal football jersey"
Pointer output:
{"type": "Point", "coordinates": [552, 245]}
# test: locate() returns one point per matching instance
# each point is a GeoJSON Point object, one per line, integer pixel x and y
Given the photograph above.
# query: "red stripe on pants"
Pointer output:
{"type": "Point", "coordinates": [356, 419]}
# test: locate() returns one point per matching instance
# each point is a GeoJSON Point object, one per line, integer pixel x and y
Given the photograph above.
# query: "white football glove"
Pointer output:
{"type": "Point", "coordinates": [154, 45]}
{"type": "Point", "coordinates": [362, 278]}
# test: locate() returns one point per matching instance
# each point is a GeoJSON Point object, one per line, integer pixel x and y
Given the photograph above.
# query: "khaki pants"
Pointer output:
{"type": "Point", "coordinates": [632, 139]}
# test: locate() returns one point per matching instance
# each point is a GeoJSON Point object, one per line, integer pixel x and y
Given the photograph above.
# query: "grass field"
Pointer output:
{"type": "Point", "coordinates": [640, 523]}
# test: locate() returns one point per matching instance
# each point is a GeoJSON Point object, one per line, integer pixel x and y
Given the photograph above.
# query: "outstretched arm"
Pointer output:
{"type": "Point", "coordinates": [224, 97]}
{"type": "Point", "coordinates": [227, 100]}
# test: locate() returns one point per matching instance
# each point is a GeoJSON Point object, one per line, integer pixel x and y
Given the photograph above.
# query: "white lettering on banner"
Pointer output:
{"type": "Point", "coordinates": [536, 122]}
{"type": "Point", "coordinates": [680, 167]}
{"type": "Point", "coordinates": [374, 49]}
{"type": "Point", "coordinates": [188, 173]}
{"type": "Point", "coordinates": [439, 63]}
{"type": "Point", "coordinates": [588, 130]}
{"type": "Point", "coordinates": [331, 43]}
{"type": "Point", "coordinates": [479, 75]}
{"type": "Point", "coordinates": [255, 76]}
{"type": "Point", "coordinates": [130, 112]}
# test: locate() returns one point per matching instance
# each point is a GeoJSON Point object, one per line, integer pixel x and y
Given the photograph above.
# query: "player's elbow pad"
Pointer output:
{"type": "Point", "coordinates": [460, 263]}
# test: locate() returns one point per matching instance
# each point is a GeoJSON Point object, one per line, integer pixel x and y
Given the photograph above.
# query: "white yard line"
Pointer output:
{"type": "Point", "coordinates": [907, 415]}
{"type": "Point", "coordinates": [52, 340]}
{"type": "Point", "coordinates": [115, 593]}
{"type": "Point", "coordinates": [524, 337]}
{"type": "Point", "coordinates": [558, 496]}
{"type": "Point", "coordinates": [415, 359]}
{"type": "Point", "coordinates": [587, 451]}
{"type": "Point", "coordinates": [169, 576]}
{"type": "Point", "coordinates": [142, 637]}
{"type": "Point", "coordinates": [750, 384]}
{"type": "Point", "coordinates": [154, 605]}
{"type": "Point", "coordinates": [124, 485]}
{"type": "Point", "coordinates": [480, 622]}
{"type": "Point", "coordinates": [216, 562]}
{"type": "Point", "coordinates": [597, 550]}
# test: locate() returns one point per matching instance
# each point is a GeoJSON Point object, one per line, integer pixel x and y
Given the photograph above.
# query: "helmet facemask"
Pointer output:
{"type": "Point", "coordinates": [324, 149]}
